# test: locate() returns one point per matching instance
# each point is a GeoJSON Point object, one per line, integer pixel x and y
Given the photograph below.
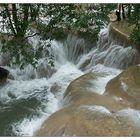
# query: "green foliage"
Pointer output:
{"type": "Point", "coordinates": [135, 35]}
{"type": "Point", "coordinates": [135, 16]}
{"type": "Point", "coordinates": [88, 24]}
{"type": "Point", "coordinates": [134, 19]}
{"type": "Point", "coordinates": [51, 33]}
{"type": "Point", "coordinates": [23, 53]}
{"type": "Point", "coordinates": [84, 20]}
{"type": "Point", "coordinates": [20, 51]}
{"type": "Point", "coordinates": [81, 19]}
{"type": "Point", "coordinates": [17, 17]}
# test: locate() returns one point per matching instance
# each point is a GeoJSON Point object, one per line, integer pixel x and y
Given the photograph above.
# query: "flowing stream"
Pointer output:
{"type": "Point", "coordinates": [32, 97]}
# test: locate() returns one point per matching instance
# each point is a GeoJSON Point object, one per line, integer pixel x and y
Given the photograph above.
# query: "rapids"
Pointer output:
{"type": "Point", "coordinates": [29, 100]}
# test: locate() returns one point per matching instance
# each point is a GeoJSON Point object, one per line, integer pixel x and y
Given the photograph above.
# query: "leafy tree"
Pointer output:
{"type": "Point", "coordinates": [134, 19]}
{"type": "Point", "coordinates": [84, 20]}
{"type": "Point", "coordinates": [17, 17]}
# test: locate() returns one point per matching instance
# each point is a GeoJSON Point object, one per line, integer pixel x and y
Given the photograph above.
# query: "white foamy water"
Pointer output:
{"type": "Point", "coordinates": [28, 126]}
{"type": "Point", "coordinates": [40, 89]}
{"type": "Point", "coordinates": [65, 74]}
{"type": "Point", "coordinates": [132, 117]}
{"type": "Point", "coordinates": [26, 89]}
{"type": "Point", "coordinates": [46, 93]}
{"type": "Point", "coordinates": [60, 54]}
{"type": "Point", "coordinates": [96, 108]}
{"type": "Point", "coordinates": [100, 83]}
{"type": "Point", "coordinates": [20, 89]}
{"type": "Point", "coordinates": [104, 75]}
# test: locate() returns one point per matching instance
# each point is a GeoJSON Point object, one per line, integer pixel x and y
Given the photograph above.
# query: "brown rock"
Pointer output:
{"type": "Point", "coordinates": [78, 93]}
{"type": "Point", "coordinates": [127, 86]}
{"type": "Point", "coordinates": [84, 121]}
{"type": "Point", "coordinates": [79, 83]}
{"type": "Point", "coordinates": [86, 113]}
{"type": "Point", "coordinates": [120, 32]}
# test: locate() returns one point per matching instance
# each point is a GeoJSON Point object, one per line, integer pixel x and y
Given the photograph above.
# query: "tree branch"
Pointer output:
{"type": "Point", "coordinates": [31, 35]}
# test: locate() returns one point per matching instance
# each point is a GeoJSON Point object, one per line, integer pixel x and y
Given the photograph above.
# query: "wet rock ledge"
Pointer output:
{"type": "Point", "coordinates": [87, 113]}
{"type": "Point", "coordinates": [120, 33]}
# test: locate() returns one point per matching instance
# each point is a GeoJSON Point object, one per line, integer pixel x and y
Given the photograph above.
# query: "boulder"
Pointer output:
{"type": "Point", "coordinates": [87, 113]}
{"type": "Point", "coordinates": [84, 121]}
{"type": "Point", "coordinates": [79, 93]}
{"type": "Point", "coordinates": [127, 86]}
{"type": "Point", "coordinates": [3, 74]}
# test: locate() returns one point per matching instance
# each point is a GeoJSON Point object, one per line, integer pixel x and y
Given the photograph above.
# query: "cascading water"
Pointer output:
{"type": "Point", "coordinates": [110, 54]}
{"type": "Point", "coordinates": [27, 101]}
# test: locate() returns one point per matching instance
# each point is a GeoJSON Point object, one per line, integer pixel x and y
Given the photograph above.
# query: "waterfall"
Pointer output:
{"type": "Point", "coordinates": [75, 48]}
{"type": "Point", "coordinates": [110, 53]}
{"type": "Point", "coordinates": [36, 93]}
{"type": "Point", "coordinates": [120, 57]}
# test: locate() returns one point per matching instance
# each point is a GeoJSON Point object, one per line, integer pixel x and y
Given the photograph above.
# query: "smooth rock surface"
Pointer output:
{"type": "Point", "coordinates": [79, 93]}
{"type": "Point", "coordinates": [127, 86]}
{"type": "Point", "coordinates": [84, 121]}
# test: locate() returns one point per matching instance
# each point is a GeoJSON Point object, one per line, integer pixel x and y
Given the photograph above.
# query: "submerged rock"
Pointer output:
{"type": "Point", "coordinates": [127, 86]}
{"type": "Point", "coordinates": [3, 75]}
{"type": "Point", "coordinates": [55, 88]}
{"type": "Point", "coordinates": [84, 121]}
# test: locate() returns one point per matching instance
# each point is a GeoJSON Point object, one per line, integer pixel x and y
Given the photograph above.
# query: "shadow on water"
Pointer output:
{"type": "Point", "coordinates": [18, 109]}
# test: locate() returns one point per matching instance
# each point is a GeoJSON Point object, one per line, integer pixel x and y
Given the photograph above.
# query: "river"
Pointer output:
{"type": "Point", "coordinates": [26, 102]}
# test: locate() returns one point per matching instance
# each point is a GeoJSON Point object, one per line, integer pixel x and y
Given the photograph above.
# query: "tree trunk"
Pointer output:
{"type": "Point", "coordinates": [15, 19]}
{"type": "Point", "coordinates": [10, 21]}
